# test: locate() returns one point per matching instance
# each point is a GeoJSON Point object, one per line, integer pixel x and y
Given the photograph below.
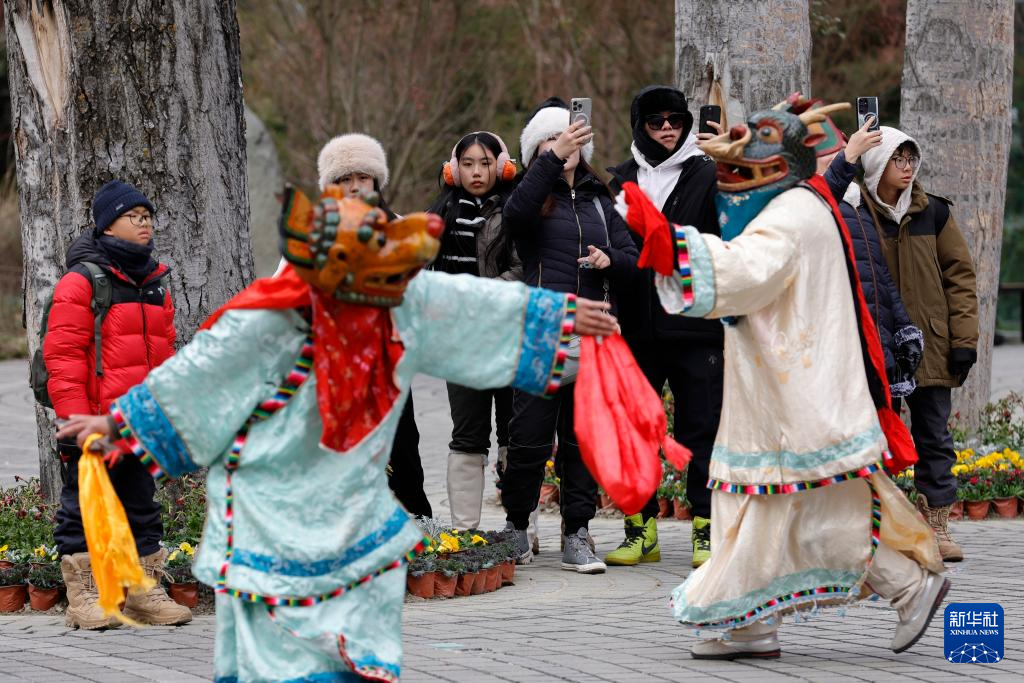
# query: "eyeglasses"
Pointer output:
{"type": "Point", "coordinates": [139, 219]}
{"type": "Point", "coordinates": [657, 121]}
{"type": "Point", "coordinates": [903, 162]}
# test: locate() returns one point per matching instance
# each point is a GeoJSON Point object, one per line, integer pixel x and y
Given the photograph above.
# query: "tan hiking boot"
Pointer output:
{"type": "Point", "coordinates": [83, 606]}
{"type": "Point", "coordinates": [938, 520]}
{"type": "Point", "coordinates": [154, 606]}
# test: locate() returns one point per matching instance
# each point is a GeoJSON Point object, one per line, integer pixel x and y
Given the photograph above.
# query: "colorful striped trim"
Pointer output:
{"type": "Point", "coordinates": [683, 271]}
{"type": "Point", "coordinates": [562, 352]}
{"type": "Point", "coordinates": [792, 601]}
{"type": "Point", "coordinates": [795, 487]}
{"type": "Point", "coordinates": [310, 600]}
{"type": "Point", "coordinates": [128, 436]}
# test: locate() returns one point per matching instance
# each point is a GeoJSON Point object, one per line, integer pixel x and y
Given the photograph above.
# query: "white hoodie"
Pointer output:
{"type": "Point", "coordinates": [874, 162]}
{"type": "Point", "coordinates": [657, 182]}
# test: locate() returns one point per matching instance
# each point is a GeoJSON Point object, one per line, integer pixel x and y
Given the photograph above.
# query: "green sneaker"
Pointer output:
{"type": "Point", "coordinates": [701, 537]}
{"type": "Point", "coordinates": [641, 544]}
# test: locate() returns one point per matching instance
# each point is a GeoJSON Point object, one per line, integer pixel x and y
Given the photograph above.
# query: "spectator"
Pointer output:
{"type": "Point", "coordinates": [137, 334]}
{"type": "Point", "coordinates": [931, 265]}
{"type": "Point", "coordinates": [570, 239]}
{"type": "Point", "coordinates": [357, 162]}
{"type": "Point", "coordinates": [477, 182]}
{"type": "Point", "coordinates": [902, 342]}
{"type": "Point", "coordinates": [687, 352]}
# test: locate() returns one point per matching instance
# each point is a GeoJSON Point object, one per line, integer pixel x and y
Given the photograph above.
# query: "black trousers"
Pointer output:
{"type": "Point", "coordinates": [535, 422]}
{"type": "Point", "coordinates": [471, 417]}
{"type": "Point", "coordinates": [134, 487]}
{"type": "Point", "coordinates": [694, 374]}
{"type": "Point", "coordinates": [406, 480]}
{"type": "Point", "coordinates": [929, 425]}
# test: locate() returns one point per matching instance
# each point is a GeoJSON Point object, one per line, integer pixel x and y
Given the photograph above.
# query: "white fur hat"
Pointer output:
{"type": "Point", "coordinates": [352, 153]}
{"type": "Point", "coordinates": [545, 123]}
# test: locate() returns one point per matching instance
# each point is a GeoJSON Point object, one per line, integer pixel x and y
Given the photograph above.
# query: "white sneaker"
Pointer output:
{"type": "Point", "coordinates": [578, 556]}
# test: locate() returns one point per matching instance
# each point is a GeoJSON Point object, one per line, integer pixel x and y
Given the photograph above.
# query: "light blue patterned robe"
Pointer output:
{"type": "Point", "coordinates": [308, 520]}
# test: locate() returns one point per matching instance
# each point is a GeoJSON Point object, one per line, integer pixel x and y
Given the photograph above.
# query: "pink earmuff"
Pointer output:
{"type": "Point", "coordinates": [506, 167]}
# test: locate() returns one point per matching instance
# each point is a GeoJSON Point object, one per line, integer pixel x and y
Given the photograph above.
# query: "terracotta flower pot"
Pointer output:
{"type": "Point", "coordinates": [43, 599]}
{"type": "Point", "coordinates": [493, 581]}
{"type": "Point", "coordinates": [680, 509]}
{"type": "Point", "coordinates": [464, 584]}
{"type": "Point", "coordinates": [421, 586]}
{"type": "Point", "coordinates": [1006, 507]}
{"type": "Point", "coordinates": [977, 509]}
{"type": "Point", "coordinates": [6, 564]}
{"type": "Point", "coordinates": [606, 501]}
{"type": "Point", "coordinates": [548, 494]}
{"type": "Point", "coordinates": [664, 508]}
{"type": "Point", "coordinates": [186, 594]}
{"type": "Point", "coordinates": [444, 585]}
{"type": "Point", "coordinates": [12, 598]}
{"type": "Point", "coordinates": [479, 582]}
{"type": "Point", "coordinates": [508, 573]}
{"type": "Point", "coordinates": [957, 511]}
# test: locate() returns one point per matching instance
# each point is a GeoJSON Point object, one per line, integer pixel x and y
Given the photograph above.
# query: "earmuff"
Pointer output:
{"type": "Point", "coordinates": [506, 168]}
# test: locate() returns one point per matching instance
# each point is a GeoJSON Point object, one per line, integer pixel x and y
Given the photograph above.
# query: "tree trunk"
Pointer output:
{"type": "Point", "coordinates": [957, 79]}
{"type": "Point", "coordinates": [756, 52]}
{"type": "Point", "coordinates": [146, 91]}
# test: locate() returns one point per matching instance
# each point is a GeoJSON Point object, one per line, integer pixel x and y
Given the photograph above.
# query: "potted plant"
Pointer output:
{"type": "Point", "coordinates": [45, 585]}
{"type": "Point", "coordinates": [664, 499]}
{"type": "Point", "coordinates": [13, 593]}
{"type": "Point", "coordinates": [978, 497]}
{"type": "Point", "coordinates": [420, 579]}
{"type": "Point", "coordinates": [549, 487]}
{"type": "Point", "coordinates": [182, 587]}
{"type": "Point", "coordinates": [1004, 491]}
{"type": "Point", "coordinates": [446, 576]}
{"type": "Point", "coordinates": [8, 557]}
{"type": "Point", "coordinates": [680, 505]}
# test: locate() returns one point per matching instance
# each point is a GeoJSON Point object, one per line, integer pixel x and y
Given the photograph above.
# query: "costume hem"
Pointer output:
{"type": "Point", "coordinates": [716, 484]}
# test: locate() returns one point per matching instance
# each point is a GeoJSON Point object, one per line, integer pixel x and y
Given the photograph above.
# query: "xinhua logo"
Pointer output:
{"type": "Point", "coordinates": [974, 632]}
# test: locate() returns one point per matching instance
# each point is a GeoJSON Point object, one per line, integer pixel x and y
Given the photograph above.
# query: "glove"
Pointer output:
{"type": "Point", "coordinates": [961, 361]}
{"type": "Point", "coordinates": [909, 349]}
{"type": "Point", "coordinates": [644, 219]}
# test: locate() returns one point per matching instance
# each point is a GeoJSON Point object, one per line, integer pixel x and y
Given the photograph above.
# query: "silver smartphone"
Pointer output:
{"type": "Point", "coordinates": [867, 106]}
{"type": "Point", "coordinates": [579, 110]}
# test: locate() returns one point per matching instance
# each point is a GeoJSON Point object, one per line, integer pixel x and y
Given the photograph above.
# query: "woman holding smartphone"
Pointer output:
{"type": "Point", "coordinates": [566, 231]}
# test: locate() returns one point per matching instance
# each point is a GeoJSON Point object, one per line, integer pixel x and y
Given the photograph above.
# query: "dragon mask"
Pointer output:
{"type": "Point", "coordinates": [346, 247]}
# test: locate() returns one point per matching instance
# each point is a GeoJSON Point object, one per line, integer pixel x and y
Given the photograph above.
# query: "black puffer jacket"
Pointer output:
{"type": "Point", "coordinates": [692, 202]}
{"type": "Point", "coordinates": [549, 245]}
{"type": "Point", "coordinates": [891, 318]}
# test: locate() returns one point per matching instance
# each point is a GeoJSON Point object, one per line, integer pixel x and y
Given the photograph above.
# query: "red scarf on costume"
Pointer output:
{"type": "Point", "coordinates": [355, 352]}
{"type": "Point", "coordinates": [901, 446]}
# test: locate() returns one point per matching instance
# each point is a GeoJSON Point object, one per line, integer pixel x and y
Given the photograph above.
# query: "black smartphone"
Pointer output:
{"type": "Point", "coordinates": [867, 106]}
{"type": "Point", "coordinates": [709, 112]}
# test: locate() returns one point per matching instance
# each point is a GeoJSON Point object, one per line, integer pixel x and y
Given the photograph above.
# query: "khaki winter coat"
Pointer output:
{"type": "Point", "coordinates": [933, 270]}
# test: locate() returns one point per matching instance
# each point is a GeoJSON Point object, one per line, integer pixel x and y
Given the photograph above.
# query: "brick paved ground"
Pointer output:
{"type": "Point", "coordinates": [552, 625]}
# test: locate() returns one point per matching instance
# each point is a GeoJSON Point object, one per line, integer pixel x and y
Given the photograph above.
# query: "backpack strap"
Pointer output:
{"type": "Point", "coordinates": [102, 293]}
{"type": "Point", "coordinates": [608, 239]}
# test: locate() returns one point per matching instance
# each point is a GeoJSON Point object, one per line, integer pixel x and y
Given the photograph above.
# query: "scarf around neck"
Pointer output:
{"type": "Point", "coordinates": [134, 260]}
{"type": "Point", "coordinates": [737, 209]}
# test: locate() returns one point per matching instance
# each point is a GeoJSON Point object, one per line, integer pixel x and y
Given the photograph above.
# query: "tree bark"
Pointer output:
{"type": "Point", "coordinates": [146, 91]}
{"type": "Point", "coordinates": [957, 81]}
{"type": "Point", "coordinates": [756, 51]}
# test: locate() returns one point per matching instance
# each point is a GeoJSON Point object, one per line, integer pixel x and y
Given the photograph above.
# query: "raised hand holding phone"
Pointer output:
{"type": "Point", "coordinates": [573, 138]}
{"type": "Point", "coordinates": [864, 139]}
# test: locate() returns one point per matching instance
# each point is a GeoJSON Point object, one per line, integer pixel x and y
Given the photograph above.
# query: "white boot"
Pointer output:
{"type": "Point", "coordinates": [466, 488]}
{"type": "Point", "coordinates": [915, 592]}
{"type": "Point", "coordinates": [759, 640]}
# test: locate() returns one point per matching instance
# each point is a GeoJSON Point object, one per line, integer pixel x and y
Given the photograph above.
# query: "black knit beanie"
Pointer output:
{"type": "Point", "coordinates": [652, 100]}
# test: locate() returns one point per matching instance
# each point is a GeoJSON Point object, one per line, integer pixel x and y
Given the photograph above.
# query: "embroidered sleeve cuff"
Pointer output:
{"type": "Point", "coordinates": [548, 327]}
{"type": "Point", "coordinates": [690, 290]}
{"type": "Point", "coordinates": [147, 431]}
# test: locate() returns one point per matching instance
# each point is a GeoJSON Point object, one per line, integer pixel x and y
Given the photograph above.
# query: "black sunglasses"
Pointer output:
{"type": "Point", "coordinates": [657, 121]}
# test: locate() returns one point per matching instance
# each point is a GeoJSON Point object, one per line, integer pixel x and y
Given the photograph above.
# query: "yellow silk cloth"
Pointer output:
{"type": "Point", "coordinates": [115, 561]}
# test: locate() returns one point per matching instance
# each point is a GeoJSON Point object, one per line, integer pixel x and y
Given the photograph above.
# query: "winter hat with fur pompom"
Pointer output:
{"type": "Point", "coordinates": [550, 118]}
{"type": "Point", "coordinates": [352, 153]}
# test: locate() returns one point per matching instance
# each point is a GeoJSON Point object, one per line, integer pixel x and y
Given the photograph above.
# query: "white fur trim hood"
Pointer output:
{"type": "Point", "coordinates": [352, 153]}
{"type": "Point", "coordinates": [545, 123]}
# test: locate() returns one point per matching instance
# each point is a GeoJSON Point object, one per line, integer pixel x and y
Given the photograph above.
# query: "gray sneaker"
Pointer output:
{"type": "Point", "coordinates": [524, 555]}
{"type": "Point", "coordinates": [578, 557]}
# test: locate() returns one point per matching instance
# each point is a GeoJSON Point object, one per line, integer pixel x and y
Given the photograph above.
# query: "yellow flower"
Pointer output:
{"type": "Point", "coordinates": [40, 551]}
{"type": "Point", "coordinates": [449, 543]}
{"type": "Point", "coordinates": [173, 556]}
{"type": "Point", "coordinates": [54, 557]}
{"type": "Point", "coordinates": [187, 548]}
{"type": "Point", "coordinates": [3, 548]}
{"type": "Point", "coordinates": [550, 464]}
{"type": "Point", "coordinates": [478, 540]}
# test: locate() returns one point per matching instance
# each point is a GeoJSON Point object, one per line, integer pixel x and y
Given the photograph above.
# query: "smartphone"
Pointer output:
{"type": "Point", "coordinates": [867, 106]}
{"type": "Point", "coordinates": [579, 110]}
{"type": "Point", "coordinates": [709, 112]}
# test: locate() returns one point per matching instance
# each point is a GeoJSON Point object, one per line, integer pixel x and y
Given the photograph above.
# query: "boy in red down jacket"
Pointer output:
{"type": "Point", "coordinates": [137, 335]}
